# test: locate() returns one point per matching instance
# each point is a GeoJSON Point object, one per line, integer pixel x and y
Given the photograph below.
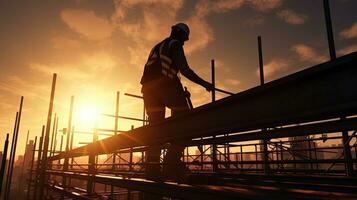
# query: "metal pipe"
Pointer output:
{"type": "Point", "coordinates": [71, 147]}
{"type": "Point", "coordinates": [38, 164]}
{"type": "Point", "coordinates": [122, 117]}
{"type": "Point", "coordinates": [347, 154]}
{"type": "Point", "coordinates": [21, 184]}
{"type": "Point", "coordinates": [213, 93]}
{"type": "Point", "coordinates": [46, 139]}
{"type": "Point", "coordinates": [53, 134]}
{"type": "Point", "coordinates": [66, 160]}
{"type": "Point", "coordinates": [264, 143]}
{"type": "Point", "coordinates": [133, 95]}
{"type": "Point", "coordinates": [11, 152]}
{"type": "Point", "coordinates": [8, 191]}
{"type": "Point", "coordinates": [55, 138]}
{"type": "Point", "coordinates": [91, 166]}
{"type": "Point", "coordinates": [213, 79]}
{"type": "Point", "coordinates": [116, 123]}
{"type": "Point", "coordinates": [223, 91]}
{"type": "Point", "coordinates": [329, 30]}
{"type": "Point", "coordinates": [61, 144]}
{"type": "Point", "coordinates": [72, 136]}
{"type": "Point", "coordinates": [261, 62]}
{"type": "Point", "coordinates": [3, 162]}
{"type": "Point", "coordinates": [31, 170]}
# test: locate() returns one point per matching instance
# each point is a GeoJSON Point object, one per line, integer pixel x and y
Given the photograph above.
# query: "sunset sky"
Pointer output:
{"type": "Point", "coordinates": [100, 47]}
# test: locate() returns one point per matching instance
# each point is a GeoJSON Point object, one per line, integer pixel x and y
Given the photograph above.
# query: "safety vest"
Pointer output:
{"type": "Point", "coordinates": [159, 64]}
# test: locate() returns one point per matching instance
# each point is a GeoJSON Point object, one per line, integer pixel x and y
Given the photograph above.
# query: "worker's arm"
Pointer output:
{"type": "Point", "coordinates": [179, 58]}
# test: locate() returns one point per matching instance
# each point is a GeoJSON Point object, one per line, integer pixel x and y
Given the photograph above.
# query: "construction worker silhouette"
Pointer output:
{"type": "Point", "coordinates": [161, 87]}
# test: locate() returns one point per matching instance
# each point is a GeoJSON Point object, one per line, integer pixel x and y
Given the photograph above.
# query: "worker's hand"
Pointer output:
{"type": "Point", "coordinates": [209, 87]}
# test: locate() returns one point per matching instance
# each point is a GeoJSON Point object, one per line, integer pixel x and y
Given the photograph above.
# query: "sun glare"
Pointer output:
{"type": "Point", "coordinates": [87, 114]}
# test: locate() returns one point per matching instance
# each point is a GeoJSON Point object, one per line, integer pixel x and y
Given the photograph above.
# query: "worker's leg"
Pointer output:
{"type": "Point", "coordinates": [156, 112]}
{"type": "Point", "coordinates": [173, 166]}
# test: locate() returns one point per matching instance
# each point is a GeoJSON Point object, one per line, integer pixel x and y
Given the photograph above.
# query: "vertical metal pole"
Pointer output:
{"type": "Point", "coordinates": [21, 184]}
{"type": "Point", "coordinates": [43, 176]}
{"type": "Point", "coordinates": [331, 42]}
{"type": "Point", "coordinates": [213, 93]}
{"type": "Point", "coordinates": [31, 169]}
{"type": "Point", "coordinates": [263, 142]}
{"type": "Point", "coordinates": [55, 138]}
{"type": "Point", "coordinates": [3, 162]}
{"type": "Point", "coordinates": [241, 157]}
{"type": "Point", "coordinates": [116, 123]}
{"type": "Point", "coordinates": [11, 152]}
{"type": "Point", "coordinates": [202, 154]}
{"type": "Point", "coordinates": [347, 154]}
{"type": "Point", "coordinates": [66, 159]}
{"type": "Point", "coordinates": [72, 135]}
{"type": "Point", "coordinates": [281, 155]}
{"type": "Point", "coordinates": [261, 62]}
{"type": "Point", "coordinates": [276, 154]}
{"type": "Point", "coordinates": [91, 166]}
{"type": "Point", "coordinates": [315, 152]}
{"type": "Point", "coordinates": [256, 156]}
{"type": "Point", "coordinates": [39, 155]}
{"type": "Point", "coordinates": [53, 134]}
{"type": "Point", "coordinates": [61, 144]}
{"type": "Point", "coordinates": [213, 78]}
{"type": "Point", "coordinates": [130, 166]}
{"type": "Point", "coordinates": [71, 146]}
{"type": "Point", "coordinates": [27, 136]}
{"type": "Point", "coordinates": [310, 154]}
{"type": "Point", "coordinates": [64, 132]}
{"type": "Point", "coordinates": [8, 191]}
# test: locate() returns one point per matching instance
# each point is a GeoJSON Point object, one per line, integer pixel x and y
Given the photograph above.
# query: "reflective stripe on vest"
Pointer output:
{"type": "Point", "coordinates": [166, 64]}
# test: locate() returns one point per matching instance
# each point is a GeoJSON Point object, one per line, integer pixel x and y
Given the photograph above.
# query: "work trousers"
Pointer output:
{"type": "Point", "coordinates": [158, 95]}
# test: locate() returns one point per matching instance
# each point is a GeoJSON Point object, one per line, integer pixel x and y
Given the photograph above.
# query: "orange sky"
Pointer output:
{"type": "Point", "coordinates": [100, 47]}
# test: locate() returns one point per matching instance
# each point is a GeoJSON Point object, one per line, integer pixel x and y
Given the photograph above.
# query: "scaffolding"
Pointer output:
{"type": "Point", "coordinates": [223, 145]}
{"type": "Point", "coordinates": [291, 138]}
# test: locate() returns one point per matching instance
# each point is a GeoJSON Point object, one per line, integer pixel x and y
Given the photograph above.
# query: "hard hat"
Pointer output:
{"type": "Point", "coordinates": [183, 27]}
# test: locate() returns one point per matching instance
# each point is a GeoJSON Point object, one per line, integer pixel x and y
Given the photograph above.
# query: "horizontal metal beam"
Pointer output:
{"type": "Point", "coordinates": [73, 195]}
{"type": "Point", "coordinates": [299, 130]}
{"type": "Point", "coordinates": [237, 186]}
{"type": "Point", "coordinates": [325, 91]}
{"type": "Point", "coordinates": [169, 189]}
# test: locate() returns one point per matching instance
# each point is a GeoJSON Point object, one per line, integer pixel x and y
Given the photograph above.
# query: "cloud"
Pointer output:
{"type": "Point", "coordinates": [254, 21]}
{"type": "Point", "coordinates": [292, 17]}
{"type": "Point", "coordinates": [265, 5]}
{"type": "Point", "coordinates": [275, 66]}
{"type": "Point", "coordinates": [347, 50]}
{"type": "Point", "coordinates": [202, 34]}
{"type": "Point", "coordinates": [205, 7]}
{"type": "Point", "coordinates": [19, 86]}
{"type": "Point", "coordinates": [307, 53]}
{"type": "Point", "coordinates": [88, 65]}
{"type": "Point", "coordinates": [87, 23]}
{"type": "Point", "coordinates": [66, 71]}
{"type": "Point", "coordinates": [144, 23]}
{"type": "Point", "coordinates": [349, 33]}
{"type": "Point", "coordinates": [65, 43]}
{"type": "Point", "coordinates": [155, 18]}
{"type": "Point", "coordinates": [232, 82]}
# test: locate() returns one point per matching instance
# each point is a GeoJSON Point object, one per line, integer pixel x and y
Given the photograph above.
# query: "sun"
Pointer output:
{"type": "Point", "coordinates": [87, 114]}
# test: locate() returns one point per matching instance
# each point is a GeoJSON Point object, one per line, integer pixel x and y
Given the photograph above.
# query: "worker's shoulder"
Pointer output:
{"type": "Point", "coordinates": [173, 44]}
